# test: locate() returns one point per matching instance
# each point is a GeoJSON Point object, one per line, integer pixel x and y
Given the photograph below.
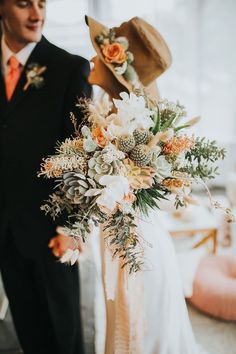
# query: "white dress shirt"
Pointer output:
{"type": "Point", "coordinates": [22, 55]}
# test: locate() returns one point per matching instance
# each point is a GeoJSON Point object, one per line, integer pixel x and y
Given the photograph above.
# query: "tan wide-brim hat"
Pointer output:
{"type": "Point", "coordinates": [151, 54]}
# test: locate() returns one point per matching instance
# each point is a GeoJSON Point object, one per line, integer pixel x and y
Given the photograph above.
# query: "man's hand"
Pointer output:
{"type": "Point", "coordinates": [61, 243]}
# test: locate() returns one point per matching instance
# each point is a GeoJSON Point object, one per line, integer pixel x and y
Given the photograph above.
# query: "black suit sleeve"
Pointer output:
{"type": "Point", "coordinates": [78, 87]}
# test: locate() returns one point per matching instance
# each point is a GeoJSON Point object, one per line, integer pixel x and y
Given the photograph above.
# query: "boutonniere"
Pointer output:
{"type": "Point", "coordinates": [34, 76]}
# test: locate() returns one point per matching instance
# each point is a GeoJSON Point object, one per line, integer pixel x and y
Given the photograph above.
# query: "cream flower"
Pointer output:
{"type": "Point", "coordinates": [131, 114]}
{"type": "Point", "coordinates": [70, 256]}
{"type": "Point", "coordinates": [116, 188]}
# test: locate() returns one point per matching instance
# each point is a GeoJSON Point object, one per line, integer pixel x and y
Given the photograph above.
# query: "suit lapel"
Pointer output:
{"type": "Point", "coordinates": [3, 99]}
{"type": "Point", "coordinates": [40, 56]}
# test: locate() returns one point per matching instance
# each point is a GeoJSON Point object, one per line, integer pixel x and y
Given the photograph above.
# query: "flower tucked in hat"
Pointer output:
{"type": "Point", "coordinates": [134, 52]}
{"type": "Point", "coordinates": [115, 52]}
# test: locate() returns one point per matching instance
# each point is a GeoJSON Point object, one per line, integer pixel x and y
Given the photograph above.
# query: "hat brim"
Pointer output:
{"type": "Point", "coordinates": [95, 29]}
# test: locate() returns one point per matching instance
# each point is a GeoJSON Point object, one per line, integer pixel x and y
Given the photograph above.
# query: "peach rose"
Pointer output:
{"type": "Point", "coordinates": [114, 53]}
{"type": "Point", "coordinates": [99, 137]}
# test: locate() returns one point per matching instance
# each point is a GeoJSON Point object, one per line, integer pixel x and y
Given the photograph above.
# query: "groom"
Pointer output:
{"type": "Point", "coordinates": [34, 115]}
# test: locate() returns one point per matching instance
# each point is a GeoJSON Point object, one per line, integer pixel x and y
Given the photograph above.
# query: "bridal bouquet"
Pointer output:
{"type": "Point", "coordinates": [119, 164]}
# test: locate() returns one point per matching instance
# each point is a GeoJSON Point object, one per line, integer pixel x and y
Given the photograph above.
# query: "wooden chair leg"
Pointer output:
{"type": "Point", "coordinates": [215, 241]}
{"type": "Point", "coordinates": [202, 241]}
{"type": "Point", "coordinates": [211, 236]}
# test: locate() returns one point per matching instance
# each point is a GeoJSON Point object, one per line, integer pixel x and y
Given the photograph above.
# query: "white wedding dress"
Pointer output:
{"type": "Point", "coordinates": [157, 321]}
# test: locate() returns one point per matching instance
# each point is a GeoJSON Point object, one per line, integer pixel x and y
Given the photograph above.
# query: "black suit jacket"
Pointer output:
{"type": "Point", "coordinates": [30, 125]}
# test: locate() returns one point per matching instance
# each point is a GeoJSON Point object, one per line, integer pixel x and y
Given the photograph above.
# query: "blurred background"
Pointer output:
{"type": "Point", "coordinates": [201, 35]}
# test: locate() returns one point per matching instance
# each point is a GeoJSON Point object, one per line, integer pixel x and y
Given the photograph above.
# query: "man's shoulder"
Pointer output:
{"type": "Point", "coordinates": [65, 57]}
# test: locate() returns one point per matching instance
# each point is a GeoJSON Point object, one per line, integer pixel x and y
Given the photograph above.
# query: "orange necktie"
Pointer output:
{"type": "Point", "coordinates": [12, 76]}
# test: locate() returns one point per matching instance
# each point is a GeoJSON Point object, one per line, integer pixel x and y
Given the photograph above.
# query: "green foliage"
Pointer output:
{"type": "Point", "coordinates": [148, 198]}
{"type": "Point", "coordinates": [157, 121]}
{"type": "Point", "coordinates": [203, 171]}
{"type": "Point", "coordinates": [179, 203]}
{"type": "Point", "coordinates": [205, 151]}
{"type": "Point", "coordinates": [123, 239]}
{"type": "Point", "coordinates": [184, 126]}
{"type": "Point", "coordinates": [78, 229]}
{"type": "Point", "coordinates": [167, 119]}
{"type": "Point", "coordinates": [163, 120]}
{"type": "Point", "coordinates": [200, 159]}
{"type": "Point", "coordinates": [56, 205]}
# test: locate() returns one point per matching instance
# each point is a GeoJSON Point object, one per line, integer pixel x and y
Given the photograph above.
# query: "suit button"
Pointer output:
{"type": "Point", "coordinates": [4, 126]}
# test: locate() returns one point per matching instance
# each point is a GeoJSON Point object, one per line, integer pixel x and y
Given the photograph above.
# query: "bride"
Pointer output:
{"type": "Point", "coordinates": [145, 312]}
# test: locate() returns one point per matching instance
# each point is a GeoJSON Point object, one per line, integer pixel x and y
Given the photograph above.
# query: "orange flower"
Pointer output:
{"type": "Point", "coordinates": [177, 145]}
{"type": "Point", "coordinates": [114, 53]}
{"type": "Point", "coordinates": [129, 198]}
{"type": "Point", "coordinates": [99, 137]}
{"type": "Point", "coordinates": [48, 169]}
{"type": "Point", "coordinates": [172, 183]}
{"type": "Point", "coordinates": [176, 184]}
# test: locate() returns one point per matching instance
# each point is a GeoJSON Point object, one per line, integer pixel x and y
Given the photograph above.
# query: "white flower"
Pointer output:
{"type": "Point", "coordinates": [111, 153]}
{"type": "Point", "coordinates": [116, 188]}
{"type": "Point", "coordinates": [131, 114]}
{"type": "Point", "coordinates": [70, 256]}
{"type": "Point", "coordinates": [162, 167]}
{"type": "Point", "coordinates": [126, 208]}
{"type": "Point", "coordinates": [120, 70]}
{"type": "Point", "coordinates": [116, 129]}
{"type": "Point", "coordinates": [133, 108]}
